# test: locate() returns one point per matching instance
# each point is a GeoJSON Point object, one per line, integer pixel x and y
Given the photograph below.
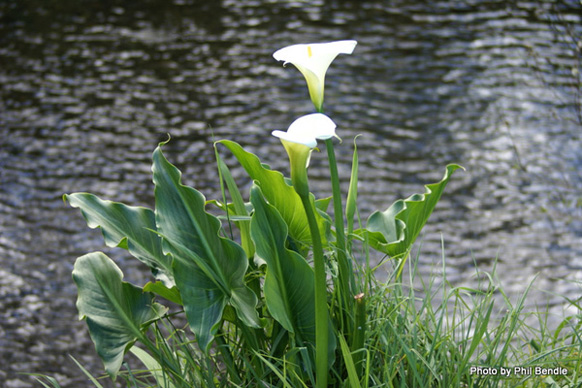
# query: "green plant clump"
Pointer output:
{"type": "Point", "coordinates": [293, 301]}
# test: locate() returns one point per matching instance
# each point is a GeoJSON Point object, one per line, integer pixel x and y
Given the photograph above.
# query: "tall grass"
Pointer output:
{"type": "Point", "coordinates": [448, 336]}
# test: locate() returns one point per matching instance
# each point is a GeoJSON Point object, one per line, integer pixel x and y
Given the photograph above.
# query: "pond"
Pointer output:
{"type": "Point", "coordinates": [88, 89]}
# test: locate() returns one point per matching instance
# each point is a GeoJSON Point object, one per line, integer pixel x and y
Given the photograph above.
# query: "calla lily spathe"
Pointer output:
{"type": "Point", "coordinates": [313, 60]}
{"type": "Point", "coordinates": [299, 140]}
{"type": "Point", "coordinates": [308, 129]}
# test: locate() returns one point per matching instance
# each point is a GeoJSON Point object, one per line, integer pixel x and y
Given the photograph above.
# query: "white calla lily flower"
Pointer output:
{"type": "Point", "coordinates": [313, 60]}
{"type": "Point", "coordinates": [299, 140]}
{"type": "Point", "coordinates": [308, 129]}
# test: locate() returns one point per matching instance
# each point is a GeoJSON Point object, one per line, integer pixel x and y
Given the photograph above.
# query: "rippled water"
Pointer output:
{"type": "Point", "coordinates": [88, 89]}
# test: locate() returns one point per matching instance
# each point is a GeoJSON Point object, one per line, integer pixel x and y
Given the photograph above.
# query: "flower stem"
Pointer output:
{"type": "Point", "coordinates": [345, 278]}
{"type": "Point", "coordinates": [321, 310]}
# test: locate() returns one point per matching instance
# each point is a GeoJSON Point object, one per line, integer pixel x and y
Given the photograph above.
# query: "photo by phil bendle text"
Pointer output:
{"type": "Point", "coordinates": [518, 370]}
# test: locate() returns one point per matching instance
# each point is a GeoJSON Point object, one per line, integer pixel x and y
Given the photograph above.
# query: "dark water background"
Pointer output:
{"type": "Point", "coordinates": [88, 89]}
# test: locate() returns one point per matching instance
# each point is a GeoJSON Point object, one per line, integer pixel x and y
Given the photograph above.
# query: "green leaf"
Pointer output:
{"type": "Point", "coordinates": [353, 377]}
{"type": "Point", "coordinates": [127, 227]}
{"type": "Point", "coordinates": [289, 282]}
{"type": "Point", "coordinates": [117, 312]}
{"type": "Point", "coordinates": [39, 377]}
{"type": "Point", "coordinates": [159, 288]}
{"type": "Point", "coordinates": [238, 204]}
{"type": "Point", "coordinates": [323, 203]}
{"type": "Point", "coordinates": [86, 373]}
{"type": "Point", "coordinates": [395, 230]}
{"type": "Point", "coordinates": [154, 367]}
{"type": "Point", "coordinates": [352, 201]}
{"type": "Point", "coordinates": [280, 194]}
{"type": "Point", "coordinates": [209, 270]}
{"type": "Point", "coordinates": [230, 206]}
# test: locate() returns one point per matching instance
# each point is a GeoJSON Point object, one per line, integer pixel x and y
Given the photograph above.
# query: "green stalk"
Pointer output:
{"type": "Point", "coordinates": [359, 335]}
{"type": "Point", "coordinates": [321, 313]}
{"type": "Point", "coordinates": [345, 277]}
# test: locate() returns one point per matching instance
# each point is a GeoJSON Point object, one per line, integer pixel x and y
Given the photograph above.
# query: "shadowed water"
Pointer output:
{"type": "Point", "coordinates": [88, 89]}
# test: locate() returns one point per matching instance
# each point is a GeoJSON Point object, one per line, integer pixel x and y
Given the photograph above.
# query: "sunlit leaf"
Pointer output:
{"type": "Point", "coordinates": [129, 227]}
{"type": "Point", "coordinates": [239, 206]}
{"type": "Point", "coordinates": [209, 270]}
{"type": "Point", "coordinates": [117, 312]}
{"type": "Point", "coordinates": [153, 367]}
{"type": "Point", "coordinates": [323, 203]}
{"type": "Point", "coordinates": [280, 194]}
{"type": "Point", "coordinates": [159, 288]}
{"type": "Point", "coordinates": [352, 200]}
{"type": "Point", "coordinates": [395, 230]}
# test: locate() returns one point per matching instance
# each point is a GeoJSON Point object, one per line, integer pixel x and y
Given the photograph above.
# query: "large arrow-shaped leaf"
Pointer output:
{"type": "Point", "coordinates": [279, 194]}
{"type": "Point", "coordinates": [127, 227]}
{"type": "Point", "coordinates": [395, 230]}
{"type": "Point", "coordinates": [209, 270]}
{"type": "Point", "coordinates": [289, 282]}
{"type": "Point", "coordinates": [116, 311]}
